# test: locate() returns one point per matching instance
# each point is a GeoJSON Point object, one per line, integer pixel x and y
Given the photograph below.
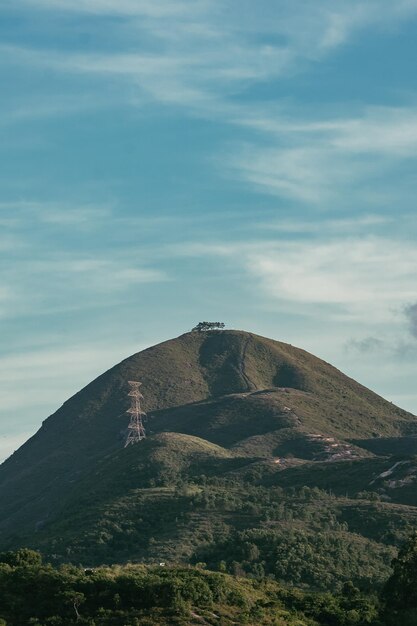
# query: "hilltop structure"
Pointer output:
{"type": "Point", "coordinates": [135, 429]}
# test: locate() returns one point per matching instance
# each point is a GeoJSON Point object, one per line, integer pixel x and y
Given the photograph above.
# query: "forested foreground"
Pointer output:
{"type": "Point", "coordinates": [39, 594]}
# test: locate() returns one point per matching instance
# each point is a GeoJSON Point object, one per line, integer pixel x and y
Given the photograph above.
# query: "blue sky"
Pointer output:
{"type": "Point", "coordinates": [172, 161]}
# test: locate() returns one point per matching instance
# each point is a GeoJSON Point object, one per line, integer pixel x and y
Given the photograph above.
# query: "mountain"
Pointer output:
{"type": "Point", "coordinates": [242, 431]}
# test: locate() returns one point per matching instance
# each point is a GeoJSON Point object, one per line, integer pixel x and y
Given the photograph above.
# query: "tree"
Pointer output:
{"type": "Point", "coordinates": [22, 557]}
{"type": "Point", "coordinates": [399, 596]}
{"type": "Point", "coordinates": [205, 326]}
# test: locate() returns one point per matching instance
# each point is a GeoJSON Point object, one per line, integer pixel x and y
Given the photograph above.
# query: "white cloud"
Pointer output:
{"type": "Point", "coordinates": [328, 227]}
{"type": "Point", "coordinates": [358, 275]}
{"type": "Point", "coordinates": [191, 53]}
{"type": "Point", "coordinates": [324, 25]}
{"type": "Point", "coordinates": [198, 75]}
{"type": "Point", "coordinates": [18, 214]}
{"type": "Point", "coordinates": [354, 278]}
{"type": "Point", "coordinates": [162, 8]}
{"type": "Point", "coordinates": [307, 174]}
{"type": "Point", "coordinates": [63, 283]}
{"type": "Point", "coordinates": [103, 275]}
{"type": "Point", "coordinates": [44, 107]}
{"type": "Point", "coordinates": [320, 162]}
{"type": "Point", "coordinates": [201, 55]}
{"type": "Point", "coordinates": [72, 365]}
{"type": "Point", "coordinates": [376, 129]}
{"type": "Point", "coordinates": [50, 268]}
{"type": "Point", "coordinates": [59, 286]}
{"type": "Point", "coordinates": [382, 130]}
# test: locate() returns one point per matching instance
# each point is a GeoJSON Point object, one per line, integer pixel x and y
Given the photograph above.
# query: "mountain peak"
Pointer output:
{"type": "Point", "coordinates": [231, 388]}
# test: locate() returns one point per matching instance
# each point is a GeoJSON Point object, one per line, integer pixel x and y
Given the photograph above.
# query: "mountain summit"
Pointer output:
{"type": "Point", "coordinates": [216, 402]}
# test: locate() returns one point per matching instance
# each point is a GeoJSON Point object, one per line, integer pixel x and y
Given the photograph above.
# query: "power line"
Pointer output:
{"type": "Point", "coordinates": [135, 430]}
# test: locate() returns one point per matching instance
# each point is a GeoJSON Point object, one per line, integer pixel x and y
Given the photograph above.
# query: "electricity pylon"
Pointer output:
{"type": "Point", "coordinates": [135, 429]}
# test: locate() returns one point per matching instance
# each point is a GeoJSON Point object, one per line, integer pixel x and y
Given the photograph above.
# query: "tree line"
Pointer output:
{"type": "Point", "coordinates": [205, 326]}
{"type": "Point", "coordinates": [35, 593]}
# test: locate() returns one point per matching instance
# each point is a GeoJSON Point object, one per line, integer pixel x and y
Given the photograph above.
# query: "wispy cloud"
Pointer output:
{"type": "Point", "coordinates": [411, 314]}
{"type": "Point", "coordinates": [44, 108]}
{"type": "Point", "coordinates": [190, 54]}
{"type": "Point", "coordinates": [64, 283]}
{"type": "Point", "coordinates": [307, 174]}
{"type": "Point", "coordinates": [340, 22]}
{"type": "Point", "coordinates": [324, 227]}
{"type": "Point", "coordinates": [366, 345]}
{"type": "Point", "coordinates": [8, 299]}
{"type": "Point", "coordinates": [104, 275]}
{"type": "Point", "coordinates": [58, 264]}
{"type": "Point", "coordinates": [203, 57]}
{"type": "Point", "coordinates": [317, 161]}
{"type": "Point", "coordinates": [354, 277]}
{"type": "Point", "coordinates": [123, 7]}
{"type": "Point", "coordinates": [60, 364]}
{"type": "Point", "coordinates": [326, 24]}
{"type": "Point", "coordinates": [57, 368]}
{"type": "Point", "coordinates": [393, 345]}
{"type": "Point", "coordinates": [19, 214]}
{"type": "Point", "coordinates": [381, 130]}
{"type": "Point", "coordinates": [197, 79]}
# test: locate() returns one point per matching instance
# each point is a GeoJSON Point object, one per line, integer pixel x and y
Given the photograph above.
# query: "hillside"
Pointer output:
{"type": "Point", "coordinates": [250, 442]}
{"type": "Point", "coordinates": [32, 592]}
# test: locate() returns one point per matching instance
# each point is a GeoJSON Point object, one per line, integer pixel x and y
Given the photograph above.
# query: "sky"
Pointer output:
{"type": "Point", "coordinates": [168, 162]}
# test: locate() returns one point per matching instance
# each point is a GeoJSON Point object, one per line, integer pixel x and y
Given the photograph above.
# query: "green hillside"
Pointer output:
{"type": "Point", "coordinates": [260, 459]}
{"type": "Point", "coordinates": [33, 593]}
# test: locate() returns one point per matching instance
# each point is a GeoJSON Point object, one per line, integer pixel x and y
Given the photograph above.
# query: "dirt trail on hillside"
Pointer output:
{"type": "Point", "coordinates": [242, 371]}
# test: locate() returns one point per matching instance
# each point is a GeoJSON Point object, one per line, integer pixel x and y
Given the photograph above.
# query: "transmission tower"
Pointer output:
{"type": "Point", "coordinates": [135, 430]}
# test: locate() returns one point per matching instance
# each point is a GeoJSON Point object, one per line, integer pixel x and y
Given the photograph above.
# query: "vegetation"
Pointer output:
{"type": "Point", "coordinates": [260, 461]}
{"type": "Point", "coordinates": [400, 593]}
{"type": "Point", "coordinates": [37, 594]}
{"type": "Point", "coordinates": [205, 326]}
{"type": "Point", "coordinates": [185, 499]}
{"type": "Point", "coordinates": [304, 536]}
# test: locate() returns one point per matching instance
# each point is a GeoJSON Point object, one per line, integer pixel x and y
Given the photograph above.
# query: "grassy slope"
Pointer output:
{"type": "Point", "coordinates": [233, 398]}
{"type": "Point", "coordinates": [165, 596]}
{"type": "Point", "coordinates": [183, 498]}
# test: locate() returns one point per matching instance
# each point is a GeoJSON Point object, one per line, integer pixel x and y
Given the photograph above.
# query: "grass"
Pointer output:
{"type": "Point", "coordinates": [222, 409]}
